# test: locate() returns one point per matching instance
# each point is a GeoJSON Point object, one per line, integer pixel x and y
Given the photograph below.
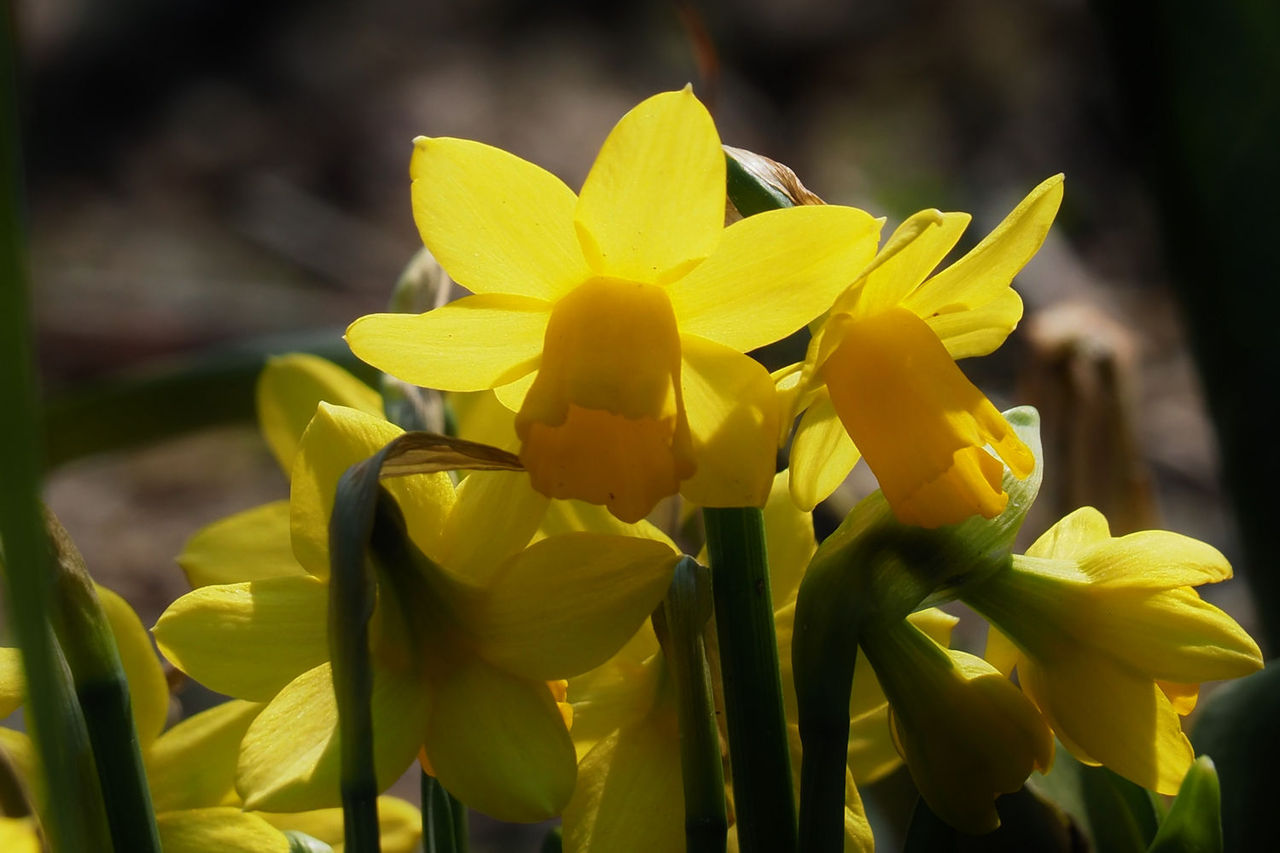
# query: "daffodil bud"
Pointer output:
{"type": "Point", "coordinates": [965, 731]}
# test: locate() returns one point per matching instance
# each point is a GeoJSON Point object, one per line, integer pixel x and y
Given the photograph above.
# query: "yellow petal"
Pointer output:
{"type": "Point", "coordinates": [496, 223]}
{"type": "Point", "coordinates": [13, 682]}
{"type": "Point", "coordinates": [565, 604]}
{"type": "Point", "coordinates": [289, 759]}
{"type": "Point", "coordinates": [822, 454]}
{"type": "Point", "coordinates": [909, 255]}
{"type": "Point", "coordinates": [1072, 536]}
{"type": "Point", "coordinates": [19, 835]}
{"type": "Point", "coordinates": [1153, 559]}
{"type": "Point", "coordinates": [920, 424]}
{"type": "Point", "coordinates": [653, 203]}
{"type": "Point", "coordinates": [223, 829]}
{"type": "Point", "coordinates": [148, 690]}
{"type": "Point", "coordinates": [872, 754]}
{"type": "Point", "coordinates": [288, 391]}
{"type": "Point", "coordinates": [399, 825]}
{"type": "Point", "coordinates": [604, 420]}
{"type": "Point", "coordinates": [247, 546]}
{"type": "Point", "coordinates": [1183, 697]}
{"type": "Point", "coordinates": [473, 547]}
{"type": "Point", "coordinates": [1117, 717]}
{"type": "Point", "coordinates": [248, 640]}
{"type": "Point", "coordinates": [481, 416]}
{"type": "Point", "coordinates": [1172, 635]}
{"type": "Point", "coordinates": [1000, 652]}
{"type": "Point", "coordinates": [773, 273]}
{"type": "Point", "coordinates": [336, 439]}
{"type": "Point", "coordinates": [513, 393]}
{"type": "Point", "coordinates": [629, 797]}
{"type": "Point", "coordinates": [733, 416]}
{"type": "Point", "coordinates": [617, 693]}
{"type": "Point", "coordinates": [789, 541]}
{"type": "Point", "coordinates": [498, 743]}
{"type": "Point", "coordinates": [474, 343]}
{"type": "Point", "coordinates": [20, 752]}
{"type": "Point", "coordinates": [579, 517]}
{"type": "Point", "coordinates": [193, 765]}
{"type": "Point", "coordinates": [980, 330]}
{"type": "Point", "coordinates": [988, 269]}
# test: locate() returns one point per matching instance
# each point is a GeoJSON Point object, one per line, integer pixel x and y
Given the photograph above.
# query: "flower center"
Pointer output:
{"type": "Point", "coordinates": [604, 420]}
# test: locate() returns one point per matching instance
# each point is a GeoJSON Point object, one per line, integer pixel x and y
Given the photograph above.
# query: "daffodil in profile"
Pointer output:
{"type": "Point", "coordinates": [615, 320]}
{"type": "Point", "coordinates": [880, 379]}
{"type": "Point", "coordinates": [1111, 640]}
{"type": "Point", "coordinates": [463, 645]}
{"type": "Point", "coordinates": [965, 731]}
{"type": "Point", "coordinates": [191, 767]}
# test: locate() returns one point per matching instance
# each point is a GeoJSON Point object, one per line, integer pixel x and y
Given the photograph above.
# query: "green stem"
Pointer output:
{"type": "Point", "coordinates": [759, 754]}
{"type": "Point", "coordinates": [103, 690]}
{"type": "Point", "coordinates": [73, 808]}
{"type": "Point", "coordinates": [679, 622]}
{"type": "Point", "coordinates": [444, 819]}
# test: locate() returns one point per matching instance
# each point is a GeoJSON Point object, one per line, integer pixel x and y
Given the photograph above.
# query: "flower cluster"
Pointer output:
{"type": "Point", "coordinates": [518, 637]}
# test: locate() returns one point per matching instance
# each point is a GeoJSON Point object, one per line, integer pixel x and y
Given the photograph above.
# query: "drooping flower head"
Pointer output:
{"type": "Point", "coordinates": [614, 320]}
{"type": "Point", "coordinates": [880, 379]}
{"type": "Point", "coordinates": [1111, 640]}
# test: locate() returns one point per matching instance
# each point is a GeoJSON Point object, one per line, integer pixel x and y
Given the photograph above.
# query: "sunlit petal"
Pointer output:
{"type": "Point", "coordinates": [495, 515]}
{"type": "Point", "coordinates": [193, 764]}
{"type": "Point", "coordinates": [220, 828]}
{"type": "Point", "coordinates": [822, 454]}
{"type": "Point", "coordinates": [247, 546]}
{"type": "Point", "coordinates": [148, 690]}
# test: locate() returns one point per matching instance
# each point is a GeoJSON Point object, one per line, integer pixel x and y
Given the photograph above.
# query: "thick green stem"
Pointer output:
{"type": "Point", "coordinates": [679, 622]}
{"type": "Point", "coordinates": [103, 690]}
{"type": "Point", "coordinates": [73, 808]}
{"type": "Point", "coordinates": [759, 756]}
{"type": "Point", "coordinates": [444, 819]}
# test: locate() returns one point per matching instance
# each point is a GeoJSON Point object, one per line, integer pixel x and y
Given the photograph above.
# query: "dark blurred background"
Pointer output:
{"type": "Point", "coordinates": [206, 171]}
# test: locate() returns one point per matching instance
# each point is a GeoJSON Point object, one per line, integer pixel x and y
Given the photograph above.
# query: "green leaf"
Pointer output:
{"type": "Point", "coordinates": [1237, 726]}
{"type": "Point", "coordinates": [1114, 814]}
{"type": "Point", "coordinates": [1194, 822]}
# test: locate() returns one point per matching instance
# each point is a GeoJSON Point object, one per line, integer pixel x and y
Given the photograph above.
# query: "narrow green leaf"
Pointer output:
{"type": "Point", "coordinates": [444, 819]}
{"type": "Point", "coordinates": [1114, 814]}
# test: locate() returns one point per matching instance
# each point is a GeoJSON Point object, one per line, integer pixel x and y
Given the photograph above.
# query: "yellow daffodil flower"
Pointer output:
{"type": "Point", "coordinates": [1111, 640]}
{"type": "Point", "coordinates": [880, 380]}
{"type": "Point", "coordinates": [191, 767]}
{"type": "Point", "coordinates": [462, 653]}
{"type": "Point", "coordinates": [615, 320]}
{"type": "Point", "coordinates": [965, 731]}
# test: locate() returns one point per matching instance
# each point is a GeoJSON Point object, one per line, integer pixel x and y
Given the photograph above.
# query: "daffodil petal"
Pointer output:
{"type": "Point", "coordinates": [733, 419]}
{"type": "Point", "coordinates": [481, 416]}
{"type": "Point", "coordinates": [221, 828]}
{"type": "Point", "coordinates": [789, 541]}
{"type": "Point", "coordinates": [193, 764]}
{"type": "Point", "coordinates": [1153, 559]}
{"type": "Point", "coordinates": [513, 393]}
{"type": "Point", "coordinates": [288, 391]}
{"type": "Point", "coordinates": [248, 640]}
{"type": "Point", "coordinates": [653, 203]}
{"type": "Point", "coordinates": [1000, 652]}
{"type": "Point", "coordinates": [250, 545]}
{"type": "Point", "coordinates": [1183, 697]}
{"type": "Point", "coordinates": [822, 454]}
{"type": "Point", "coordinates": [289, 758]}
{"type": "Point", "coordinates": [990, 266]}
{"type": "Point", "coordinates": [1173, 635]}
{"type": "Point", "coordinates": [629, 798]}
{"type": "Point", "coordinates": [1116, 716]}
{"type": "Point", "coordinates": [498, 743]}
{"type": "Point", "coordinates": [617, 693]}
{"type": "Point", "coordinates": [916, 246]}
{"type": "Point", "coordinates": [773, 273]}
{"type": "Point", "coordinates": [565, 604]}
{"type": "Point", "coordinates": [13, 682]}
{"type": "Point", "coordinates": [582, 517]}
{"type": "Point", "coordinates": [399, 825]}
{"type": "Point", "coordinates": [495, 222]}
{"type": "Point", "coordinates": [148, 690]}
{"type": "Point", "coordinates": [1072, 535]}
{"type": "Point", "coordinates": [980, 330]}
{"type": "Point", "coordinates": [20, 835]}
{"type": "Point", "coordinates": [472, 344]}
{"type": "Point", "coordinates": [336, 439]}
{"type": "Point", "coordinates": [473, 545]}
{"type": "Point", "coordinates": [20, 752]}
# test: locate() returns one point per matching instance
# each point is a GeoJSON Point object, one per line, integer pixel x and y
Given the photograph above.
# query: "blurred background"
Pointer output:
{"type": "Point", "coordinates": [209, 172]}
